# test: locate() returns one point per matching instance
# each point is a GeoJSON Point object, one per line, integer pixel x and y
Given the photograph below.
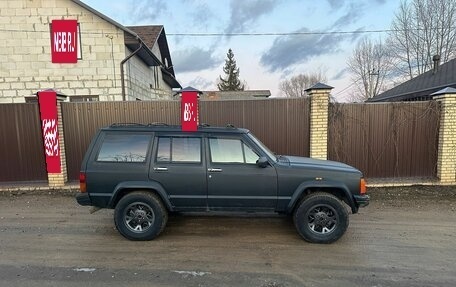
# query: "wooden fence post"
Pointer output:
{"type": "Point", "coordinates": [446, 157]}
{"type": "Point", "coordinates": [319, 102]}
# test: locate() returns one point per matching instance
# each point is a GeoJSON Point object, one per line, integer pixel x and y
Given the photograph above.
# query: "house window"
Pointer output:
{"type": "Point", "coordinates": [156, 79]}
{"type": "Point", "coordinates": [78, 99]}
{"type": "Point", "coordinates": [78, 39]}
{"type": "Point", "coordinates": [31, 100]}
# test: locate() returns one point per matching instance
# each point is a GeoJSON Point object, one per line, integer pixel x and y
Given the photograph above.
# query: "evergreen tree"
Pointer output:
{"type": "Point", "coordinates": [231, 81]}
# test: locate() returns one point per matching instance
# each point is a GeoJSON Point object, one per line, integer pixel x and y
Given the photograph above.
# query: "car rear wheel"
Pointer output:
{"type": "Point", "coordinates": [140, 216]}
{"type": "Point", "coordinates": [321, 218]}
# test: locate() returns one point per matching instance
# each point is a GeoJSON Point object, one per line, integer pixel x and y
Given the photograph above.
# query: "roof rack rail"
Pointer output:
{"type": "Point", "coordinates": [113, 125]}
{"type": "Point", "coordinates": [158, 124]}
{"type": "Point", "coordinates": [204, 125]}
{"type": "Point", "coordinates": [231, 126]}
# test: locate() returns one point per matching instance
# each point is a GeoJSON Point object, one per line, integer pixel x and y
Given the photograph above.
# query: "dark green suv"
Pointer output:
{"type": "Point", "coordinates": [148, 171]}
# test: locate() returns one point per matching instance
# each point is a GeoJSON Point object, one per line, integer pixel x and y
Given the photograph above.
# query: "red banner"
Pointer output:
{"type": "Point", "coordinates": [48, 113]}
{"type": "Point", "coordinates": [64, 42]}
{"type": "Point", "coordinates": [189, 111]}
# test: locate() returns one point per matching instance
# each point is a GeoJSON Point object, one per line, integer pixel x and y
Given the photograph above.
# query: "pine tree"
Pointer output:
{"type": "Point", "coordinates": [231, 81]}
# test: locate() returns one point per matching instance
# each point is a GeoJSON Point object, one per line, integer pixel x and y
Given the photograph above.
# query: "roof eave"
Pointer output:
{"type": "Point", "coordinates": [170, 79]}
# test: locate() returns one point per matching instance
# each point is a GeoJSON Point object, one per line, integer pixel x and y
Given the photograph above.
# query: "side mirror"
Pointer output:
{"type": "Point", "coordinates": [262, 162]}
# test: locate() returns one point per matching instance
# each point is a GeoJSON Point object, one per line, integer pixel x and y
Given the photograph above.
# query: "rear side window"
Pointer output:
{"type": "Point", "coordinates": [124, 148]}
{"type": "Point", "coordinates": [179, 149]}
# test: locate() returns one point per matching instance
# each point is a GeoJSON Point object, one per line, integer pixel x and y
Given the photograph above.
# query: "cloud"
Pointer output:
{"type": "Point", "coordinates": [148, 10]}
{"type": "Point", "coordinates": [336, 4]}
{"type": "Point", "coordinates": [340, 74]}
{"type": "Point", "coordinates": [352, 15]}
{"type": "Point", "coordinates": [200, 83]}
{"type": "Point", "coordinates": [193, 59]}
{"type": "Point", "coordinates": [247, 12]}
{"type": "Point", "coordinates": [290, 50]}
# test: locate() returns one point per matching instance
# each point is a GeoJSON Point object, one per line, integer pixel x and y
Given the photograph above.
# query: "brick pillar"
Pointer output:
{"type": "Point", "coordinates": [319, 101]}
{"type": "Point", "coordinates": [56, 180]}
{"type": "Point", "coordinates": [446, 158]}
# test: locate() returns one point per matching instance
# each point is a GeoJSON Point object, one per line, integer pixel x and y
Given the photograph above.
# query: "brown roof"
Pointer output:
{"type": "Point", "coordinates": [423, 85]}
{"type": "Point", "coordinates": [149, 34]}
{"type": "Point", "coordinates": [235, 95]}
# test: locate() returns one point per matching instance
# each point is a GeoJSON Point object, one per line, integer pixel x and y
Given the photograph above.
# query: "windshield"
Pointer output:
{"type": "Point", "coordinates": [262, 146]}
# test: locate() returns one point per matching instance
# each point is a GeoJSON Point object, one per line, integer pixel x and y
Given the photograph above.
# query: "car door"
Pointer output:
{"type": "Point", "coordinates": [179, 167]}
{"type": "Point", "coordinates": [235, 181]}
{"type": "Point", "coordinates": [119, 156]}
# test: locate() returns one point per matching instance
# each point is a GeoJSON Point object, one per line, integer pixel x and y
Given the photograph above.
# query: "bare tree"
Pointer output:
{"type": "Point", "coordinates": [369, 66]}
{"type": "Point", "coordinates": [421, 29]}
{"type": "Point", "coordinates": [295, 87]}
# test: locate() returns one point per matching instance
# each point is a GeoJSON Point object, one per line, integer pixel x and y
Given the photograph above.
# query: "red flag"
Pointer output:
{"type": "Point", "coordinates": [48, 113]}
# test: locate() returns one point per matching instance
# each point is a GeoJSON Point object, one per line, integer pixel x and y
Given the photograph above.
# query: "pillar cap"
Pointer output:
{"type": "Point", "coordinates": [447, 91]}
{"type": "Point", "coordinates": [319, 86]}
{"type": "Point", "coordinates": [60, 96]}
{"type": "Point", "coordinates": [188, 89]}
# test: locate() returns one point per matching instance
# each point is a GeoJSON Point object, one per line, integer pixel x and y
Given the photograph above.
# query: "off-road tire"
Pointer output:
{"type": "Point", "coordinates": [320, 218]}
{"type": "Point", "coordinates": [137, 209]}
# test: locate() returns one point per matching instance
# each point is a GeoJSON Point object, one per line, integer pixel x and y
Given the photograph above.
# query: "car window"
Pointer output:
{"type": "Point", "coordinates": [164, 150]}
{"type": "Point", "coordinates": [179, 149]}
{"type": "Point", "coordinates": [124, 148]}
{"type": "Point", "coordinates": [231, 151]}
{"type": "Point", "coordinates": [250, 155]}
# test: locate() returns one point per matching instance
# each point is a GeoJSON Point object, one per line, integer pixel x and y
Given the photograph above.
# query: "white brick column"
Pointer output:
{"type": "Point", "coordinates": [319, 101]}
{"type": "Point", "coordinates": [446, 158]}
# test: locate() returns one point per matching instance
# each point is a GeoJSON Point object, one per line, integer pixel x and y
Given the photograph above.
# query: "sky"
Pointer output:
{"type": "Point", "coordinates": [264, 61]}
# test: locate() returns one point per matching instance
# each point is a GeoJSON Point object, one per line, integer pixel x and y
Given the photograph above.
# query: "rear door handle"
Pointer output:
{"type": "Point", "coordinates": [214, 170]}
{"type": "Point", "coordinates": [160, 168]}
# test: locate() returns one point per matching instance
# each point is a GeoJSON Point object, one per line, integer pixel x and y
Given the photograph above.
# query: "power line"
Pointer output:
{"type": "Point", "coordinates": [298, 33]}
{"type": "Point", "coordinates": [302, 33]}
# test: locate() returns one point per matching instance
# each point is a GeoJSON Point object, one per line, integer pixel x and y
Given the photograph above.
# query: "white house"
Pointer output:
{"type": "Point", "coordinates": [102, 45]}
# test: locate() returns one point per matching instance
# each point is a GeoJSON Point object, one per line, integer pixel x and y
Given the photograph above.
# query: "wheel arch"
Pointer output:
{"type": "Point", "coordinates": [125, 188]}
{"type": "Point", "coordinates": [338, 189]}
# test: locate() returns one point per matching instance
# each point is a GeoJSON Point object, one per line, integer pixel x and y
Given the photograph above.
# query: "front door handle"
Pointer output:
{"type": "Point", "coordinates": [214, 170]}
{"type": "Point", "coordinates": [160, 168]}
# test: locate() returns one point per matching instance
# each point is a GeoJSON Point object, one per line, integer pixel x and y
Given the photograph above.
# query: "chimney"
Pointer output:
{"type": "Point", "coordinates": [436, 60]}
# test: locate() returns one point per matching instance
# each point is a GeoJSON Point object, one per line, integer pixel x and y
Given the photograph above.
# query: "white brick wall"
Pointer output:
{"type": "Point", "coordinates": [25, 55]}
{"type": "Point", "coordinates": [139, 79]}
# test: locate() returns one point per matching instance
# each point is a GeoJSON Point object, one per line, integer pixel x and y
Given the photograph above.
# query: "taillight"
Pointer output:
{"type": "Point", "coordinates": [82, 182]}
{"type": "Point", "coordinates": [362, 186]}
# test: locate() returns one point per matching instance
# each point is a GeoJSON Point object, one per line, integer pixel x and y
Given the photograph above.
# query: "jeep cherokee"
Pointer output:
{"type": "Point", "coordinates": [146, 171]}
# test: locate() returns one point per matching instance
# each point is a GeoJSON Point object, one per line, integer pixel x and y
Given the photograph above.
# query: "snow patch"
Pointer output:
{"type": "Point", "coordinates": [193, 273]}
{"type": "Point", "coordinates": [84, 269]}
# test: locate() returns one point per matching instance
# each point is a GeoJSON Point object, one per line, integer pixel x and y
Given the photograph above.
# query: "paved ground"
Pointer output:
{"type": "Point", "coordinates": [406, 237]}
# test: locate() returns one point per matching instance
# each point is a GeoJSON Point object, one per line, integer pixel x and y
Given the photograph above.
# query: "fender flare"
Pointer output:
{"type": "Point", "coordinates": [141, 185]}
{"type": "Point", "coordinates": [321, 184]}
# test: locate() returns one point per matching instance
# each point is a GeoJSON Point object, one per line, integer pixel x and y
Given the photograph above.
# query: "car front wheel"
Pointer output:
{"type": "Point", "coordinates": [321, 218]}
{"type": "Point", "coordinates": [140, 216]}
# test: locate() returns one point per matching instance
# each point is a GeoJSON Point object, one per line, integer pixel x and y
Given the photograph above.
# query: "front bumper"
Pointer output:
{"type": "Point", "coordinates": [361, 200]}
{"type": "Point", "coordinates": [83, 199]}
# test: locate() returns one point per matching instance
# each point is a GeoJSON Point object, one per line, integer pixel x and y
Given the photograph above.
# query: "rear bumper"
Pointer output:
{"type": "Point", "coordinates": [361, 200]}
{"type": "Point", "coordinates": [83, 199]}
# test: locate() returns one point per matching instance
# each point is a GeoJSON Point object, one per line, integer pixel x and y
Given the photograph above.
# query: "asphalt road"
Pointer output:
{"type": "Point", "coordinates": [406, 237]}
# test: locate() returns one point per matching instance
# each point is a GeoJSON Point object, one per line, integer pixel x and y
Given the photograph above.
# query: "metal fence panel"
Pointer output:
{"type": "Point", "coordinates": [282, 124]}
{"type": "Point", "coordinates": [21, 153]}
{"type": "Point", "coordinates": [82, 121]}
{"type": "Point", "coordinates": [386, 140]}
